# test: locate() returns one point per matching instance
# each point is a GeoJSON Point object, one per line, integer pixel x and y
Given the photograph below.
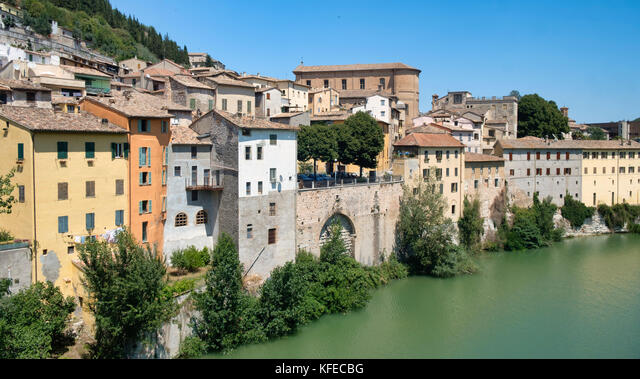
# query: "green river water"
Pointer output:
{"type": "Point", "coordinates": [577, 299]}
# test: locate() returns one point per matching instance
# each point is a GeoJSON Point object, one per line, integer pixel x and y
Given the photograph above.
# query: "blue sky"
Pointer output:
{"type": "Point", "coordinates": [583, 54]}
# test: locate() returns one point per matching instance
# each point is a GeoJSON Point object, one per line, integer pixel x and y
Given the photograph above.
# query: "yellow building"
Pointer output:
{"type": "Point", "coordinates": [420, 155]}
{"type": "Point", "coordinates": [71, 179]}
{"type": "Point", "coordinates": [610, 172]}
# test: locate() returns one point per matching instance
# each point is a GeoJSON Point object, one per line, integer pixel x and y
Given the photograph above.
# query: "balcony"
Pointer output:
{"type": "Point", "coordinates": [204, 184]}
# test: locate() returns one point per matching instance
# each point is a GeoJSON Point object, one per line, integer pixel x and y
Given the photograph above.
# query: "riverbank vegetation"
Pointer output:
{"type": "Point", "coordinates": [619, 215]}
{"type": "Point", "coordinates": [575, 211]}
{"type": "Point", "coordinates": [471, 225]}
{"type": "Point", "coordinates": [191, 259]}
{"type": "Point", "coordinates": [425, 236]}
{"type": "Point", "coordinates": [127, 294]}
{"type": "Point", "coordinates": [533, 227]}
{"type": "Point", "coordinates": [294, 295]}
{"type": "Point", "coordinates": [34, 322]}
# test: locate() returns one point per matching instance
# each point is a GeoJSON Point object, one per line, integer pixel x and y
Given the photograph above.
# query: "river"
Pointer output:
{"type": "Point", "coordinates": [577, 299]}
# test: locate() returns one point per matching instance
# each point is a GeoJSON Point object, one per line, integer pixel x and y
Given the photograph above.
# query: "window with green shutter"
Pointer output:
{"type": "Point", "coordinates": [90, 150]}
{"type": "Point", "coordinates": [63, 224]}
{"type": "Point", "coordinates": [119, 218]}
{"type": "Point", "coordinates": [210, 104]}
{"type": "Point", "coordinates": [142, 156]}
{"type": "Point", "coordinates": [164, 126]}
{"type": "Point", "coordinates": [20, 151]}
{"type": "Point", "coordinates": [63, 151]}
{"type": "Point", "coordinates": [91, 220]}
{"type": "Point", "coordinates": [192, 104]}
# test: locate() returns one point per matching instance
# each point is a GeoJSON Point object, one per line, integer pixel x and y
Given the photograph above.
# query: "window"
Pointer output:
{"type": "Point", "coordinates": [447, 172]}
{"type": "Point", "coordinates": [383, 113]}
{"type": "Point", "coordinates": [120, 218]}
{"type": "Point", "coordinates": [71, 249]}
{"type": "Point", "coordinates": [239, 106]}
{"type": "Point", "coordinates": [475, 184]}
{"type": "Point", "coordinates": [538, 155]}
{"type": "Point", "coordinates": [426, 156]}
{"type": "Point", "coordinates": [163, 127]}
{"type": "Point", "coordinates": [557, 171]}
{"type": "Point", "coordinates": [448, 154]}
{"type": "Point", "coordinates": [144, 157]}
{"type": "Point", "coordinates": [272, 236]}
{"type": "Point", "coordinates": [496, 182]}
{"type": "Point", "coordinates": [438, 173]}
{"type": "Point", "coordinates": [454, 187]}
{"type": "Point", "coordinates": [89, 150]}
{"type": "Point", "coordinates": [192, 104]}
{"type": "Point", "coordinates": [585, 155]}
{"type": "Point", "coordinates": [248, 107]}
{"type": "Point", "coordinates": [90, 221]}
{"type": "Point", "coordinates": [309, 83]}
{"type": "Point", "coordinates": [510, 156]}
{"type": "Point", "coordinates": [344, 84]}
{"type": "Point", "coordinates": [512, 172]}
{"type": "Point", "coordinates": [119, 150]}
{"type": "Point", "coordinates": [268, 96]}
{"type": "Point", "coordinates": [181, 220]}
{"type": "Point", "coordinates": [594, 155]}
{"type": "Point", "coordinates": [194, 195]}
{"type": "Point", "coordinates": [63, 152]}
{"type": "Point", "coordinates": [548, 156]}
{"type": "Point", "coordinates": [248, 189]}
{"type": "Point", "coordinates": [260, 188]}
{"type": "Point", "coordinates": [259, 153]}
{"type": "Point", "coordinates": [382, 84]}
{"type": "Point", "coordinates": [247, 153]}
{"type": "Point", "coordinates": [548, 171]}
{"type": "Point", "coordinates": [567, 171]}
{"type": "Point", "coordinates": [568, 155]}
{"type": "Point", "coordinates": [63, 191]}
{"type": "Point", "coordinates": [21, 194]}
{"type": "Point", "coordinates": [201, 217]}
{"type": "Point", "coordinates": [144, 231]}
{"type": "Point", "coordinates": [210, 104]}
{"type": "Point", "coordinates": [326, 84]}
{"type": "Point", "coordinates": [144, 206]}
{"type": "Point", "coordinates": [528, 156]}
{"type": "Point", "coordinates": [528, 172]}
{"type": "Point", "coordinates": [20, 151]}
{"type": "Point", "coordinates": [457, 99]}
{"type": "Point", "coordinates": [273, 139]}
{"type": "Point", "coordinates": [453, 209]}
{"type": "Point", "coordinates": [63, 224]}
{"type": "Point", "coordinates": [538, 171]}
{"type": "Point", "coordinates": [623, 155]}
{"type": "Point", "coordinates": [90, 189]}
{"type": "Point", "coordinates": [143, 126]}
{"type": "Point", "coordinates": [605, 155]}
{"type": "Point", "coordinates": [31, 96]}
{"type": "Point", "coordinates": [145, 179]}
{"type": "Point", "coordinates": [177, 171]}
{"type": "Point", "coordinates": [194, 152]}
{"type": "Point", "coordinates": [272, 209]}
{"type": "Point", "coordinates": [439, 156]}
{"type": "Point", "coordinates": [361, 83]}
{"type": "Point", "coordinates": [272, 175]}
{"type": "Point", "coordinates": [249, 231]}
{"type": "Point", "coordinates": [224, 104]}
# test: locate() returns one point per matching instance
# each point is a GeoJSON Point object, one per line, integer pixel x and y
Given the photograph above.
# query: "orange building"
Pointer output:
{"type": "Point", "coordinates": [147, 118]}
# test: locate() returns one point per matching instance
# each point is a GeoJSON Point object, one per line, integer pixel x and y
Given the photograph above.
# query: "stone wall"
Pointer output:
{"type": "Point", "coordinates": [15, 264]}
{"type": "Point", "coordinates": [372, 209]}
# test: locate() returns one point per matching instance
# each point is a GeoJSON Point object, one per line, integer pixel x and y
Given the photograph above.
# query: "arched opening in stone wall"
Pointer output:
{"type": "Point", "coordinates": [348, 231]}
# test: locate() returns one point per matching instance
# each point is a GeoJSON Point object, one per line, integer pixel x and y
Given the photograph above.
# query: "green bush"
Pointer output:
{"type": "Point", "coordinates": [619, 215]}
{"type": "Point", "coordinates": [471, 225]}
{"type": "Point", "coordinates": [192, 347]}
{"type": "Point", "coordinates": [190, 259]}
{"type": "Point", "coordinates": [634, 228]}
{"type": "Point", "coordinates": [575, 211]}
{"type": "Point", "coordinates": [5, 236]}
{"type": "Point", "coordinates": [179, 287]}
{"type": "Point", "coordinates": [524, 233]}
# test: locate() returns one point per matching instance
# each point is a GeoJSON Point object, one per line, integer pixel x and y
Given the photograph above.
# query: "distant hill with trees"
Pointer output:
{"type": "Point", "coordinates": [104, 28]}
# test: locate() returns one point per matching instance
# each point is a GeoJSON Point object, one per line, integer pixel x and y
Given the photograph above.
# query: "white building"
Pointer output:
{"type": "Point", "coordinates": [379, 107]}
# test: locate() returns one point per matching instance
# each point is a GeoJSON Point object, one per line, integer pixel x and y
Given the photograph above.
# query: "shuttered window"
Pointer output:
{"type": "Point", "coordinates": [89, 150]}
{"type": "Point", "coordinates": [21, 194]}
{"type": "Point", "coordinates": [90, 189]}
{"type": "Point", "coordinates": [63, 224]}
{"type": "Point", "coordinates": [20, 151]}
{"type": "Point", "coordinates": [164, 127]}
{"type": "Point", "coordinates": [63, 191]}
{"type": "Point", "coordinates": [90, 221]}
{"type": "Point", "coordinates": [63, 152]}
{"type": "Point", "coordinates": [119, 187]}
{"type": "Point", "coordinates": [272, 236]}
{"type": "Point", "coordinates": [120, 218]}
{"type": "Point", "coordinates": [192, 104]}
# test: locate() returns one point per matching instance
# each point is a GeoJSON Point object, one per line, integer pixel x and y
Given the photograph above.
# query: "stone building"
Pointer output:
{"type": "Point", "coordinates": [232, 95]}
{"type": "Point", "coordinates": [292, 118]}
{"type": "Point", "coordinates": [323, 101]}
{"type": "Point", "coordinates": [421, 155]}
{"type": "Point", "coordinates": [501, 113]}
{"type": "Point", "coordinates": [258, 164]}
{"type": "Point", "coordinates": [295, 96]}
{"type": "Point", "coordinates": [193, 193]}
{"type": "Point", "coordinates": [15, 265]}
{"type": "Point", "coordinates": [268, 102]}
{"type": "Point", "coordinates": [186, 91]}
{"type": "Point", "coordinates": [484, 180]}
{"type": "Point", "coordinates": [24, 94]}
{"type": "Point", "coordinates": [390, 79]}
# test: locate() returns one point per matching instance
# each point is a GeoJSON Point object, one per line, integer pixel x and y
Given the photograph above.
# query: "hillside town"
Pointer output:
{"type": "Point", "coordinates": [180, 154]}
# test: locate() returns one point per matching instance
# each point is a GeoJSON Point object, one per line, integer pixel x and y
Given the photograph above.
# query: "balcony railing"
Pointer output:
{"type": "Point", "coordinates": [204, 184]}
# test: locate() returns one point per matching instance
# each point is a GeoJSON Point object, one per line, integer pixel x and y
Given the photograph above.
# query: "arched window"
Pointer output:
{"type": "Point", "coordinates": [201, 218]}
{"type": "Point", "coordinates": [181, 219]}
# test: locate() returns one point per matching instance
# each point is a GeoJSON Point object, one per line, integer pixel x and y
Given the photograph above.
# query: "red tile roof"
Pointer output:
{"type": "Point", "coordinates": [429, 140]}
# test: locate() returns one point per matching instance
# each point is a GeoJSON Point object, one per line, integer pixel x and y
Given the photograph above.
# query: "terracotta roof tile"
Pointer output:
{"type": "Point", "coordinates": [84, 71]}
{"type": "Point", "coordinates": [221, 81]}
{"type": "Point", "coordinates": [429, 140]}
{"type": "Point", "coordinates": [183, 135]}
{"type": "Point", "coordinates": [47, 120]}
{"type": "Point", "coordinates": [137, 104]}
{"type": "Point", "coordinates": [538, 143]}
{"type": "Point", "coordinates": [190, 82]}
{"type": "Point", "coordinates": [22, 85]}
{"type": "Point", "coordinates": [473, 157]}
{"type": "Point", "coordinates": [250, 123]}
{"type": "Point", "coordinates": [353, 67]}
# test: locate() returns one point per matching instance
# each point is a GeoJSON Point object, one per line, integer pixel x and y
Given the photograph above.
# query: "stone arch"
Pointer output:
{"type": "Point", "coordinates": [348, 231]}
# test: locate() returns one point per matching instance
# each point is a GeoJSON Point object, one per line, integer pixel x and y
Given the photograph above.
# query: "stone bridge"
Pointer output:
{"type": "Point", "coordinates": [367, 212]}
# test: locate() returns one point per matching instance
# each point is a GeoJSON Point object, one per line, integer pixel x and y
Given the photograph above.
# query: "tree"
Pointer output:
{"type": "Point", "coordinates": [596, 133]}
{"type": "Point", "coordinates": [471, 225]}
{"type": "Point", "coordinates": [33, 322]}
{"type": "Point", "coordinates": [540, 118]}
{"type": "Point", "coordinates": [209, 61]}
{"type": "Point", "coordinates": [317, 142]}
{"type": "Point", "coordinates": [360, 141]}
{"type": "Point", "coordinates": [515, 94]}
{"type": "Point", "coordinates": [126, 285]}
{"type": "Point", "coordinates": [6, 189]}
{"type": "Point", "coordinates": [227, 314]}
{"type": "Point", "coordinates": [425, 236]}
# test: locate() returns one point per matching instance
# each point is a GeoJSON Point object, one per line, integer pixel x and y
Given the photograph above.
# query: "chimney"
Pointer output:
{"type": "Point", "coordinates": [565, 111]}
{"type": "Point", "coordinates": [434, 98]}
